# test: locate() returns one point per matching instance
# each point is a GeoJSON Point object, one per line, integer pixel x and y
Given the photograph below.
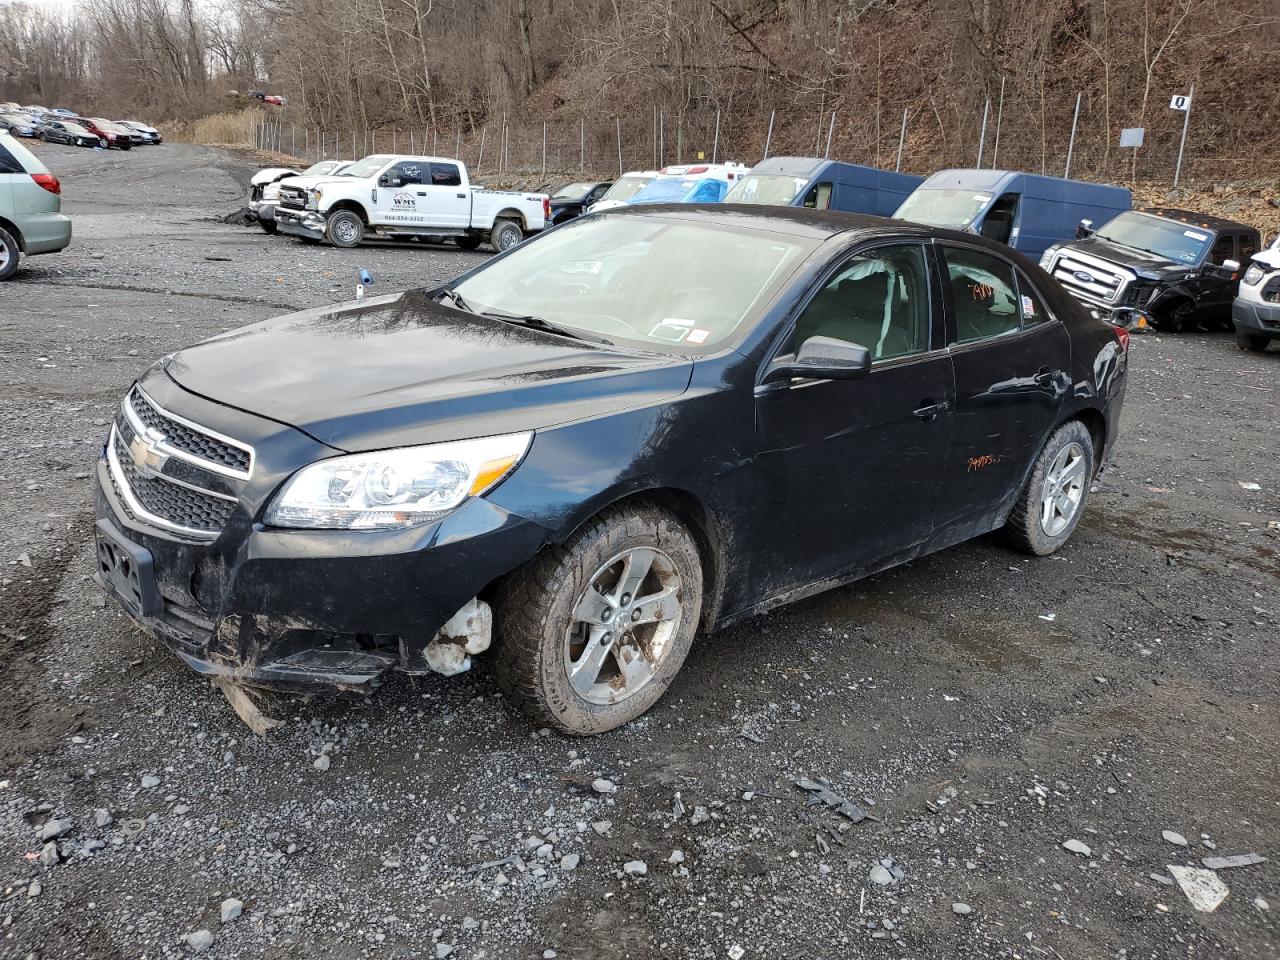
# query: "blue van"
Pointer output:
{"type": "Point", "coordinates": [824, 185]}
{"type": "Point", "coordinates": [1024, 210]}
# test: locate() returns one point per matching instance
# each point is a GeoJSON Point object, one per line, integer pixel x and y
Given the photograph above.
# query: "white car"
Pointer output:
{"type": "Point", "coordinates": [1255, 312]}
{"type": "Point", "coordinates": [623, 189]}
{"type": "Point", "coordinates": [390, 196]}
{"type": "Point", "coordinates": [264, 188]}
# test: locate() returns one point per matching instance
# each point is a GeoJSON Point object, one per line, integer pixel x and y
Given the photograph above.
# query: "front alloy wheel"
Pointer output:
{"type": "Point", "coordinates": [344, 228]}
{"type": "Point", "coordinates": [1063, 490]}
{"type": "Point", "coordinates": [590, 634]}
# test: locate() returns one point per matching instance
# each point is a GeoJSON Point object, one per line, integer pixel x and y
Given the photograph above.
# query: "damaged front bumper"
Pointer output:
{"type": "Point", "coordinates": [300, 223]}
{"type": "Point", "coordinates": [301, 609]}
{"type": "Point", "coordinates": [264, 210]}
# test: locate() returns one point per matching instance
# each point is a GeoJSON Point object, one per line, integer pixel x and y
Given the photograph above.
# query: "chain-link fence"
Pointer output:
{"type": "Point", "coordinates": [1032, 134]}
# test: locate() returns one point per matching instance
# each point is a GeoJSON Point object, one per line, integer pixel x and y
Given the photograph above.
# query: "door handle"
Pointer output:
{"type": "Point", "coordinates": [930, 411]}
{"type": "Point", "coordinates": [422, 193]}
{"type": "Point", "coordinates": [462, 196]}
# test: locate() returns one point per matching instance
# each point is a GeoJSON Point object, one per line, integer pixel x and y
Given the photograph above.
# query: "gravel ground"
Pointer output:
{"type": "Point", "coordinates": [984, 708]}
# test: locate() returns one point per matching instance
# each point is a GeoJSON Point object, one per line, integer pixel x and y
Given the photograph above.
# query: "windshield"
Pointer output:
{"type": "Point", "coordinates": [772, 188]}
{"type": "Point", "coordinates": [627, 187]}
{"type": "Point", "coordinates": [943, 208]}
{"type": "Point", "coordinates": [574, 191]}
{"type": "Point", "coordinates": [665, 190]}
{"type": "Point", "coordinates": [366, 167]}
{"type": "Point", "coordinates": [321, 168]}
{"type": "Point", "coordinates": [75, 128]}
{"type": "Point", "coordinates": [1173, 241]}
{"type": "Point", "coordinates": [664, 285]}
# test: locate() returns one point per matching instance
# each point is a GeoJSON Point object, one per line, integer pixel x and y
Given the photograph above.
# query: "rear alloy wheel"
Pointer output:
{"type": "Point", "coordinates": [9, 254]}
{"type": "Point", "coordinates": [1251, 341]}
{"type": "Point", "coordinates": [591, 634]}
{"type": "Point", "coordinates": [344, 228]}
{"type": "Point", "coordinates": [1050, 505]}
{"type": "Point", "coordinates": [506, 234]}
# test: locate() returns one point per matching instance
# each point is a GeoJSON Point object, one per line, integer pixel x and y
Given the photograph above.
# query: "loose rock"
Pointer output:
{"type": "Point", "coordinates": [1078, 847]}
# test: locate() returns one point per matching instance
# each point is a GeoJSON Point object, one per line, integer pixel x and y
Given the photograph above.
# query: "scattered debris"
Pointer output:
{"type": "Point", "coordinates": [1177, 839]}
{"type": "Point", "coordinates": [242, 703]}
{"type": "Point", "coordinates": [569, 861]}
{"type": "Point", "coordinates": [200, 940]}
{"type": "Point", "coordinates": [880, 876]}
{"type": "Point", "coordinates": [1261, 904]}
{"type": "Point", "coordinates": [150, 781]}
{"type": "Point", "coordinates": [1077, 846]}
{"type": "Point", "coordinates": [1227, 863]}
{"type": "Point", "coordinates": [961, 909]}
{"type": "Point", "coordinates": [1050, 617]}
{"type": "Point", "coordinates": [55, 828]}
{"type": "Point", "coordinates": [603, 786]}
{"type": "Point", "coordinates": [231, 909]}
{"type": "Point", "coordinates": [102, 817]}
{"type": "Point", "coordinates": [820, 792]}
{"type": "Point", "coordinates": [736, 952]}
{"type": "Point", "coordinates": [635, 868]}
{"type": "Point", "coordinates": [1161, 879]}
{"type": "Point", "coordinates": [1202, 887]}
{"type": "Point", "coordinates": [1249, 485]}
{"type": "Point", "coordinates": [677, 856]}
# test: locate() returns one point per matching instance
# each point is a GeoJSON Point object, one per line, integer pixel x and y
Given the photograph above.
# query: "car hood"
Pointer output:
{"type": "Point", "coordinates": [401, 370]}
{"type": "Point", "coordinates": [268, 174]}
{"type": "Point", "coordinates": [1269, 257]}
{"type": "Point", "coordinates": [1150, 266]}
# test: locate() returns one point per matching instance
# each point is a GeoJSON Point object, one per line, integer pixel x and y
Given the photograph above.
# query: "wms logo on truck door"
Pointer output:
{"type": "Point", "coordinates": [404, 200]}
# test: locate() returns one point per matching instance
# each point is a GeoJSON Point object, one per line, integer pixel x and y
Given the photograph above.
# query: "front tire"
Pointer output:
{"type": "Point", "coordinates": [505, 235]}
{"type": "Point", "coordinates": [1053, 500]}
{"type": "Point", "coordinates": [344, 228]}
{"type": "Point", "coordinates": [589, 635]}
{"type": "Point", "coordinates": [268, 226]}
{"type": "Point", "coordinates": [9, 254]}
{"type": "Point", "coordinates": [1251, 341]}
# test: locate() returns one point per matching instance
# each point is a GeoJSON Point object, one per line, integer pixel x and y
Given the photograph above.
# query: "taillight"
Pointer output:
{"type": "Point", "coordinates": [48, 181]}
{"type": "Point", "coordinates": [1123, 336]}
{"type": "Point", "coordinates": [546, 208]}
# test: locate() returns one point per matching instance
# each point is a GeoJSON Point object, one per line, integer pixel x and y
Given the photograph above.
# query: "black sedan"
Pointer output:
{"type": "Point", "coordinates": [632, 427]}
{"type": "Point", "coordinates": [571, 200]}
{"type": "Point", "coordinates": [67, 131]}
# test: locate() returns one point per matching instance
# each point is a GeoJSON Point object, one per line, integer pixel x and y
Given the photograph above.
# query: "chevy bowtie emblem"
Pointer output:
{"type": "Point", "coordinates": [146, 453]}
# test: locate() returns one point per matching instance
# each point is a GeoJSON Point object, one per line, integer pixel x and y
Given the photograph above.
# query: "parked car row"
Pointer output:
{"type": "Point", "coordinates": [61, 125]}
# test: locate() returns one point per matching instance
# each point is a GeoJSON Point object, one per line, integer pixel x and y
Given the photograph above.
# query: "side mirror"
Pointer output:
{"type": "Point", "coordinates": [1084, 229]}
{"type": "Point", "coordinates": [386, 180]}
{"type": "Point", "coordinates": [1232, 265]}
{"type": "Point", "coordinates": [1227, 270]}
{"type": "Point", "coordinates": [826, 358]}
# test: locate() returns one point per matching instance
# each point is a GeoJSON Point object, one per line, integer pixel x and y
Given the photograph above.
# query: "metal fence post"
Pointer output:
{"type": "Point", "coordinates": [1186, 122]}
{"type": "Point", "coordinates": [995, 148]}
{"type": "Point", "coordinates": [618, 123]}
{"type": "Point", "coordinates": [662, 139]}
{"type": "Point", "coordinates": [480, 160]}
{"type": "Point", "coordinates": [1071, 144]}
{"type": "Point", "coordinates": [544, 148]}
{"type": "Point", "coordinates": [582, 144]}
{"type": "Point", "coordinates": [715, 144]}
{"type": "Point", "coordinates": [457, 150]}
{"type": "Point", "coordinates": [768, 137]}
{"type": "Point", "coordinates": [826, 154]}
{"type": "Point", "coordinates": [902, 139]}
{"type": "Point", "coordinates": [982, 139]}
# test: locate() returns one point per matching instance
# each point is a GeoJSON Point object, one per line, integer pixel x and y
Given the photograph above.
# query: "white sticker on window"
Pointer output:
{"type": "Point", "coordinates": [697, 335]}
{"type": "Point", "coordinates": [671, 329]}
{"type": "Point", "coordinates": [1202, 237]}
{"type": "Point", "coordinates": [1028, 307]}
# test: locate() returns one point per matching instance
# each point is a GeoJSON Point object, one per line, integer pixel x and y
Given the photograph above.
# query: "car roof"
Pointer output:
{"type": "Point", "coordinates": [802, 221]}
{"type": "Point", "coordinates": [1191, 218]}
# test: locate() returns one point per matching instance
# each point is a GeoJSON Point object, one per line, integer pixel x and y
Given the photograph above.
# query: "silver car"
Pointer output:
{"type": "Point", "coordinates": [31, 220]}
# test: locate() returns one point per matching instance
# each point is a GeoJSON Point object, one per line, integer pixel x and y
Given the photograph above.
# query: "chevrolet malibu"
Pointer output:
{"type": "Point", "coordinates": [635, 427]}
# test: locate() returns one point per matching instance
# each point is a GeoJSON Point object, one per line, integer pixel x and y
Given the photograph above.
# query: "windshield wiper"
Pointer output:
{"type": "Point", "coordinates": [541, 323]}
{"type": "Point", "coordinates": [456, 297]}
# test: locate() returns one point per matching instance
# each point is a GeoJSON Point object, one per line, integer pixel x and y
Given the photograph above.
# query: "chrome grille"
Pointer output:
{"type": "Point", "coordinates": [170, 472]}
{"type": "Point", "coordinates": [293, 197]}
{"type": "Point", "coordinates": [186, 440]}
{"type": "Point", "coordinates": [1092, 281]}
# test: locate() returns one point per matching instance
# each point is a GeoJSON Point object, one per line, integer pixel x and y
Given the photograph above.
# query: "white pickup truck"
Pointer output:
{"type": "Point", "coordinates": [397, 196]}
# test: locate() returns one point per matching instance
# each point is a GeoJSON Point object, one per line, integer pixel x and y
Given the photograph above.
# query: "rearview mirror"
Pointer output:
{"type": "Point", "coordinates": [1084, 229]}
{"type": "Point", "coordinates": [827, 358]}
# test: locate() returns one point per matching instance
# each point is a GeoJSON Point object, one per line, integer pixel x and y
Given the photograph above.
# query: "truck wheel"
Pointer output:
{"type": "Point", "coordinates": [9, 254]}
{"type": "Point", "coordinates": [467, 242]}
{"type": "Point", "coordinates": [590, 634]}
{"type": "Point", "coordinates": [268, 226]}
{"type": "Point", "coordinates": [505, 235]}
{"type": "Point", "coordinates": [1251, 341]}
{"type": "Point", "coordinates": [344, 228]}
{"type": "Point", "coordinates": [1051, 503]}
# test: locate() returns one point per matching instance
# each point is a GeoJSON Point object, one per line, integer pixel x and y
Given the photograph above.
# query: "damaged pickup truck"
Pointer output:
{"type": "Point", "coordinates": [641, 424]}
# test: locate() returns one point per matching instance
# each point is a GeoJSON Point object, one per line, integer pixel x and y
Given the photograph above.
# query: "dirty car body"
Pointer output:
{"type": "Point", "coordinates": [790, 484]}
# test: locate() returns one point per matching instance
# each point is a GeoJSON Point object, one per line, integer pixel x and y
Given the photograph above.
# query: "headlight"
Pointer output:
{"type": "Point", "coordinates": [1253, 276]}
{"type": "Point", "coordinates": [1046, 258]}
{"type": "Point", "coordinates": [394, 488]}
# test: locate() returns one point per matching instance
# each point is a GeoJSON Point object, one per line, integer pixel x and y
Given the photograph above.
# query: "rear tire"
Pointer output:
{"type": "Point", "coordinates": [9, 254]}
{"type": "Point", "coordinates": [1053, 500]}
{"type": "Point", "coordinates": [467, 242]}
{"type": "Point", "coordinates": [505, 235]}
{"type": "Point", "coordinates": [573, 649]}
{"type": "Point", "coordinates": [1251, 341]}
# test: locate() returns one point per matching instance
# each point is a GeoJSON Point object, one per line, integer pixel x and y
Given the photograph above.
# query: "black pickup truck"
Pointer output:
{"type": "Point", "coordinates": [1171, 269]}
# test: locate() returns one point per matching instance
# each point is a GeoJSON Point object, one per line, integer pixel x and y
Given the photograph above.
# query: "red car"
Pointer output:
{"type": "Point", "coordinates": [274, 100]}
{"type": "Point", "coordinates": [115, 135]}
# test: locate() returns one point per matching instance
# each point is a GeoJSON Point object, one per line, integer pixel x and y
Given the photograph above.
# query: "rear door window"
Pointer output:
{"type": "Point", "coordinates": [445, 175]}
{"type": "Point", "coordinates": [984, 295]}
{"type": "Point", "coordinates": [1030, 304]}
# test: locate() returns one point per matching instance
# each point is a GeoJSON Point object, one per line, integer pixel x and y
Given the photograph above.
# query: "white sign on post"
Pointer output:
{"type": "Point", "coordinates": [1181, 101]}
{"type": "Point", "coordinates": [1132, 136]}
